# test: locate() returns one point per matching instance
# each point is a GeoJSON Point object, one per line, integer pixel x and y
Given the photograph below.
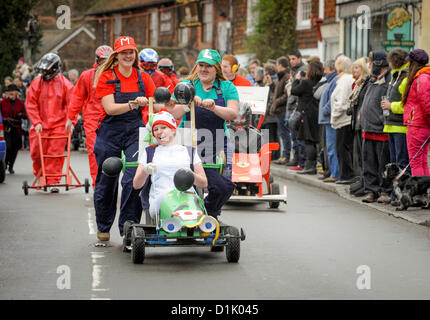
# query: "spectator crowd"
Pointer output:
{"type": "Point", "coordinates": [342, 119]}
{"type": "Point", "coordinates": [346, 120]}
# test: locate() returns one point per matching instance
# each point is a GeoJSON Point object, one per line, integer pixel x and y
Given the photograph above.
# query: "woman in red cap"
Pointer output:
{"type": "Point", "coordinates": [118, 81]}
{"type": "Point", "coordinates": [416, 100]}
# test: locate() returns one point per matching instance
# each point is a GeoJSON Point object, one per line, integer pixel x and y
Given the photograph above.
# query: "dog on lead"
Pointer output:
{"type": "Point", "coordinates": [411, 191]}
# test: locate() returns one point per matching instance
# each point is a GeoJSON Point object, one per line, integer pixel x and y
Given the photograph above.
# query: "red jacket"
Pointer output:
{"type": "Point", "coordinates": [47, 101]}
{"type": "Point", "coordinates": [84, 95]}
{"type": "Point", "coordinates": [417, 108]}
{"type": "Point", "coordinates": [162, 80]}
{"type": "Point", "coordinates": [18, 114]}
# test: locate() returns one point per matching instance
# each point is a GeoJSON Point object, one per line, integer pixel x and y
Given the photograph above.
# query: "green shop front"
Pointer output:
{"type": "Point", "coordinates": [378, 25]}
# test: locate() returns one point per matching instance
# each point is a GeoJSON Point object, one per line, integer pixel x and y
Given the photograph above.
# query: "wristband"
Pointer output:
{"type": "Point", "coordinates": [129, 106]}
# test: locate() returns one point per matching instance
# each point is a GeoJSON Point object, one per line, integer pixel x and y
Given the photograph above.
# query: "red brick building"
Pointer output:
{"type": "Point", "coordinates": [306, 29]}
{"type": "Point", "coordinates": [175, 28]}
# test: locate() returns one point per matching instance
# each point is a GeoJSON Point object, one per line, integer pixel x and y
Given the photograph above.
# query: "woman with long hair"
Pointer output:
{"type": "Point", "coordinates": [416, 100]}
{"type": "Point", "coordinates": [361, 75]}
{"type": "Point", "coordinates": [118, 81]}
{"type": "Point", "coordinates": [216, 101]}
{"type": "Point", "coordinates": [308, 130]}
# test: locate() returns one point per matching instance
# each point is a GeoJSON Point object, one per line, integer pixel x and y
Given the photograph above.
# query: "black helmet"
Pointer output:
{"type": "Point", "coordinates": [184, 92]}
{"type": "Point", "coordinates": [244, 116]}
{"type": "Point", "coordinates": [49, 66]}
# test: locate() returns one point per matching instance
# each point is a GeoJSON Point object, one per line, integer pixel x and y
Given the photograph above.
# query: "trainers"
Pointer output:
{"type": "Point", "coordinates": [54, 190]}
{"type": "Point", "coordinates": [395, 203]}
{"type": "Point", "coordinates": [292, 163]}
{"type": "Point", "coordinates": [103, 236]}
{"type": "Point", "coordinates": [369, 198]}
{"type": "Point", "coordinates": [296, 168]}
{"type": "Point", "coordinates": [281, 160]}
{"type": "Point", "coordinates": [330, 179]}
{"type": "Point", "coordinates": [384, 198]}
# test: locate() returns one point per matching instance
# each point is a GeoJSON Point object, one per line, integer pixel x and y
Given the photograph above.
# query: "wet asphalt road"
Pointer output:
{"type": "Point", "coordinates": [315, 247]}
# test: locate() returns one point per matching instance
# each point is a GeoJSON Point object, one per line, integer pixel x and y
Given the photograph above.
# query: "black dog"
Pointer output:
{"type": "Point", "coordinates": [412, 191]}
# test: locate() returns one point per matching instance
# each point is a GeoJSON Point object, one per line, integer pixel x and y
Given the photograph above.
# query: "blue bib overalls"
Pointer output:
{"type": "Point", "coordinates": [220, 188]}
{"type": "Point", "coordinates": [116, 133]}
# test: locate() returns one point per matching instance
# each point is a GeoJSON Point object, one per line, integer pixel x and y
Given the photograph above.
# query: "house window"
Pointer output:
{"type": "Point", "coordinates": [304, 10]}
{"type": "Point", "coordinates": [183, 35]}
{"type": "Point", "coordinates": [153, 29]}
{"type": "Point", "coordinates": [207, 22]}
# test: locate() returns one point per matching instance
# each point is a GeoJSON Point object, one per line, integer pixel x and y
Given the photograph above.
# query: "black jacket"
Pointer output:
{"type": "Point", "coordinates": [308, 105]}
{"type": "Point", "coordinates": [371, 117]}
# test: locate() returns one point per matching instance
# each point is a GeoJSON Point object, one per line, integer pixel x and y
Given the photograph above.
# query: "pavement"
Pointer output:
{"type": "Point", "coordinates": [414, 215]}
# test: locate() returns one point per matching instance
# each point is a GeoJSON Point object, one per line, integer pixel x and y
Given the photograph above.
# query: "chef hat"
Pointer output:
{"type": "Point", "coordinates": [164, 117]}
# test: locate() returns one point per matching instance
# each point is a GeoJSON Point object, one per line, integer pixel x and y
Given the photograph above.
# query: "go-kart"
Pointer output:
{"type": "Point", "coordinates": [182, 219]}
{"type": "Point", "coordinates": [251, 163]}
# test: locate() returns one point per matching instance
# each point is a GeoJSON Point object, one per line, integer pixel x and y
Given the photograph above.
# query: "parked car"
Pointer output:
{"type": "Point", "coordinates": [2, 152]}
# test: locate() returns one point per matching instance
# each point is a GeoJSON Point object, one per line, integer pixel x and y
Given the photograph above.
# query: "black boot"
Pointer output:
{"type": "Point", "coordinates": [295, 161]}
{"type": "Point", "coordinates": [310, 168]}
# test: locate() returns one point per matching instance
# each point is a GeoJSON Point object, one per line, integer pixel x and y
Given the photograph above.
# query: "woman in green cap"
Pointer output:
{"type": "Point", "coordinates": [216, 101]}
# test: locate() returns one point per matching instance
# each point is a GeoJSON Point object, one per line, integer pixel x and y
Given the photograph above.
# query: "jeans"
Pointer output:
{"type": "Point", "coordinates": [398, 149]}
{"type": "Point", "coordinates": [284, 136]}
{"type": "Point", "coordinates": [330, 135]}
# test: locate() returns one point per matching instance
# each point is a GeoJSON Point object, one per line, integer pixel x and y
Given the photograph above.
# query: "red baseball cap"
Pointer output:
{"type": "Point", "coordinates": [124, 43]}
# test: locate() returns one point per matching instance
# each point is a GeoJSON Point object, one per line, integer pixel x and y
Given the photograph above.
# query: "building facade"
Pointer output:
{"type": "Point", "coordinates": [178, 29]}
{"type": "Point", "coordinates": [317, 28]}
{"type": "Point", "coordinates": [382, 25]}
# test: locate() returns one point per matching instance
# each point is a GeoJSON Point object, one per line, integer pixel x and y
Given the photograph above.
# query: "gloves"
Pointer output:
{"type": "Point", "coordinates": [186, 108]}
{"type": "Point", "coordinates": [150, 168]}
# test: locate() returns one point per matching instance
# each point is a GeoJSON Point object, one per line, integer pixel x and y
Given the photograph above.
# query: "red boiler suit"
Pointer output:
{"type": "Point", "coordinates": [47, 104]}
{"type": "Point", "coordinates": [84, 96]}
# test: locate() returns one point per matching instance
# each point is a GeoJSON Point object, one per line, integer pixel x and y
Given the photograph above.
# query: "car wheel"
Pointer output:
{"type": "Point", "coordinates": [274, 190]}
{"type": "Point", "coordinates": [232, 249]}
{"type": "Point", "coordinates": [25, 187]}
{"type": "Point", "coordinates": [126, 231]}
{"type": "Point", "coordinates": [87, 185]}
{"type": "Point", "coordinates": [137, 245]}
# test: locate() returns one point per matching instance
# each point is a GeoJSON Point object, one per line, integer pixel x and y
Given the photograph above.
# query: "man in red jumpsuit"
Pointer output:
{"type": "Point", "coordinates": [84, 96]}
{"type": "Point", "coordinates": [47, 100]}
{"type": "Point", "coordinates": [148, 61]}
{"type": "Point", "coordinates": [165, 65]}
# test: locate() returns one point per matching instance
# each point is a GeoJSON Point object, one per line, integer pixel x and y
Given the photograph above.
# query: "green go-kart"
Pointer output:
{"type": "Point", "coordinates": [181, 221]}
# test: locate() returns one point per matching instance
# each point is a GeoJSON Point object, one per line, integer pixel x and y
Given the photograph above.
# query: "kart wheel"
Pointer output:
{"type": "Point", "coordinates": [87, 185]}
{"type": "Point", "coordinates": [232, 249]}
{"type": "Point", "coordinates": [138, 245]}
{"type": "Point", "coordinates": [274, 190]}
{"type": "Point", "coordinates": [25, 187]}
{"type": "Point", "coordinates": [126, 241]}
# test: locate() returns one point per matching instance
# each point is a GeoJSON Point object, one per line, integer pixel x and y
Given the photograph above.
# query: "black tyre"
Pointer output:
{"type": "Point", "coordinates": [2, 171]}
{"type": "Point", "coordinates": [126, 231]}
{"type": "Point", "coordinates": [232, 249]}
{"type": "Point", "coordinates": [25, 187]}
{"type": "Point", "coordinates": [137, 245]}
{"type": "Point", "coordinates": [87, 185]}
{"type": "Point", "coordinates": [274, 190]}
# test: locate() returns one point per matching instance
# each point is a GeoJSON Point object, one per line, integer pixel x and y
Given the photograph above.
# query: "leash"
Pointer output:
{"type": "Point", "coordinates": [404, 170]}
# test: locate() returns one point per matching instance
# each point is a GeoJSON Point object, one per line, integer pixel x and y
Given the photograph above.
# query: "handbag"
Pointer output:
{"type": "Point", "coordinates": [295, 120]}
